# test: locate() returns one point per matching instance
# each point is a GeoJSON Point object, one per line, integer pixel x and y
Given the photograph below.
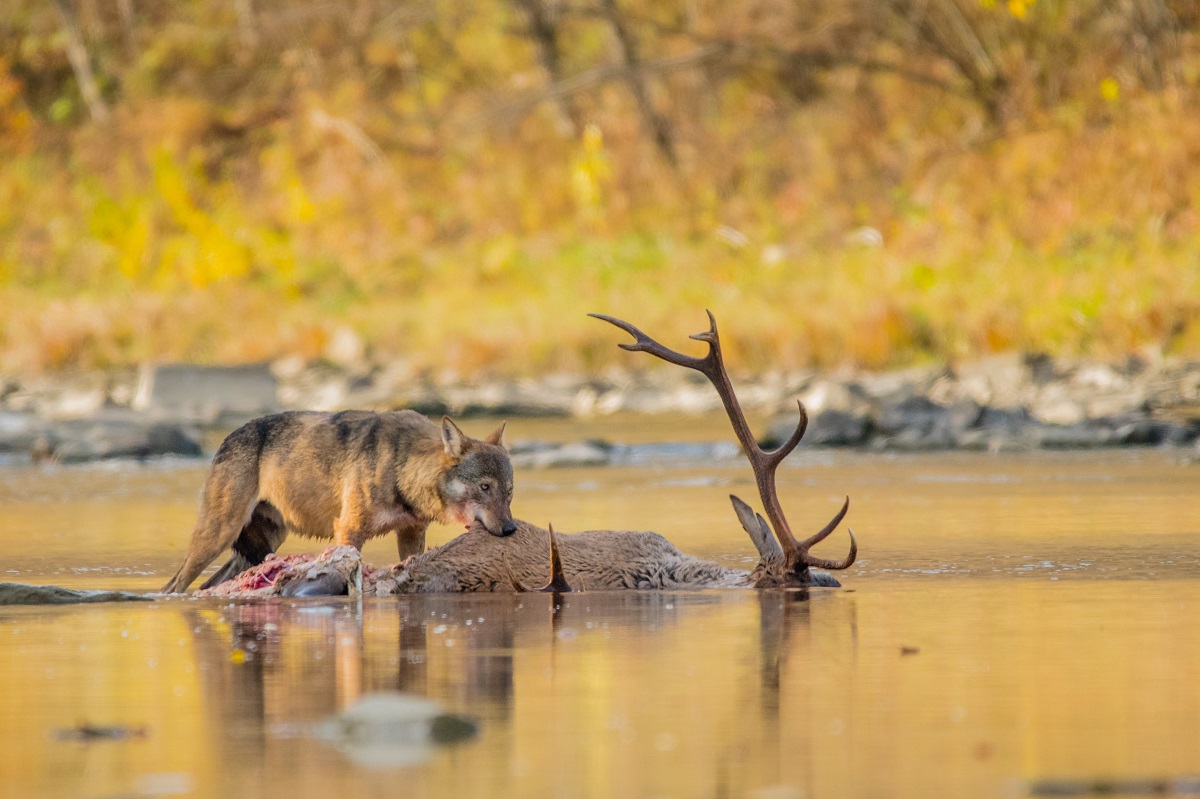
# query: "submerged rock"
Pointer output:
{"type": "Point", "coordinates": [85, 732]}
{"type": "Point", "coordinates": [393, 730]}
{"type": "Point", "coordinates": [23, 594]}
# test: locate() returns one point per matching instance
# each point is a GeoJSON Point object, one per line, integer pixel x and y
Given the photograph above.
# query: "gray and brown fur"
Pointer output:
{"type": "Point", "coordinates": [350, 476]}
{"type": "Point", "coordinates": [595, 560]}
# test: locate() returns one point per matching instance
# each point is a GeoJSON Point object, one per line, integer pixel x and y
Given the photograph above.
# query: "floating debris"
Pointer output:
{"type": "Point", "coordinates": [85, 732]}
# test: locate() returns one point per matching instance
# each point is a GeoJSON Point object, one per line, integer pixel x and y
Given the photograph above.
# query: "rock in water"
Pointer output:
{"type": "Point", "coordinates": [22, 594]}
{"type": "Point", "coordinates": [393, 730]}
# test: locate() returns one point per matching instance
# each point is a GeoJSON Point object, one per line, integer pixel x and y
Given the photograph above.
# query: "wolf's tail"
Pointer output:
{"type": "Point", "coordinates": [227, 504]}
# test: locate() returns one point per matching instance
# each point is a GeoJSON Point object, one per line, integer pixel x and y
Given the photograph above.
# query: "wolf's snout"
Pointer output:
{"type": "Point", "coordinates": [498, 528]}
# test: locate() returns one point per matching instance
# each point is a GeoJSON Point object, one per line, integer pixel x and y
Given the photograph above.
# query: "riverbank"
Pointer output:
{"type": "Point", "coordinates": [1008, 402]}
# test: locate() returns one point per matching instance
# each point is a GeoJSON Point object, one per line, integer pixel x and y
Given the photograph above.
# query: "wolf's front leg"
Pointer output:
{"type": "Point", "coordinates": [410, 539]}
{"type": "Point", "coordinates": [356, 525]}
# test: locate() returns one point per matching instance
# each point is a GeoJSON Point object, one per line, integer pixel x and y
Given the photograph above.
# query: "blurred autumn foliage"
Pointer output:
{"type": "Point", "coordinates": [841, 181]}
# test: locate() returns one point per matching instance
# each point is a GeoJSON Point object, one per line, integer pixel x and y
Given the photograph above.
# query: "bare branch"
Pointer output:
{"type": "Point", "coordinates": [81, 64]}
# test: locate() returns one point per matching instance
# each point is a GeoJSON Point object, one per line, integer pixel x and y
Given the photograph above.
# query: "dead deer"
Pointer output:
{"type": "Point", "coordinates": [599, 560]}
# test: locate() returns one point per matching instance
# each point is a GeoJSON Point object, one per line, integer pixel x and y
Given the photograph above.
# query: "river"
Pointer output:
{"type": "Point", "coordinates": [1016, 625]}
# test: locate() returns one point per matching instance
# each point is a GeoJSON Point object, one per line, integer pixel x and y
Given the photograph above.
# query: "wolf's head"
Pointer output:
{"type": "Point", "coordinates": [478, 485]}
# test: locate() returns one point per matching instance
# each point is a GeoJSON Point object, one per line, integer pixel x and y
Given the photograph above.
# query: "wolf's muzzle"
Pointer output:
{"type": "Point", "coordinates": [508, 528]}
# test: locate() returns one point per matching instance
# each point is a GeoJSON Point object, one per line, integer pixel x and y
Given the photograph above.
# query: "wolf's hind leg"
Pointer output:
{"type": "Point", "coordinates": [262, 535]}
{"type": "Point", "coordinates": [229, 497]}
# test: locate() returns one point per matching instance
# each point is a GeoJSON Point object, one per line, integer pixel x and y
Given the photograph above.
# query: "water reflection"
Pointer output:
{"type": "Point", "coordinates": [946, 687]}
{"type": "Point", "coordinates": [998, 636]}
{"type": "Point", "coordinates": [463, 649]}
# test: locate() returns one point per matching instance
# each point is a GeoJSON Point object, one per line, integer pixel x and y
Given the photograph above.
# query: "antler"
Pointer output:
{"type": "Point", "coordinates": [558, 580]}
{"type": "Point", "coordinates": [796, 553]}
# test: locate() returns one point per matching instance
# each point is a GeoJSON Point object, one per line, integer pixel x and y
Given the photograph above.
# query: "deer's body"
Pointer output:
{"type": "Point", "coordinates": [595, 560]}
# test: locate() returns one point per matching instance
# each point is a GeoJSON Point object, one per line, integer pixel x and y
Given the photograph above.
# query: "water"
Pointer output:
{"type": "Point", "coordinates": [1017, 625]}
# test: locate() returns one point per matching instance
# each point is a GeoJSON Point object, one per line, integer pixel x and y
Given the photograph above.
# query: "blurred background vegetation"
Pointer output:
{"type": "Point", "coordinates": [844, 182]}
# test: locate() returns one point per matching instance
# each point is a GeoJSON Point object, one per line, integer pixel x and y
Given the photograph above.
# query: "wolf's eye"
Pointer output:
{"type": "Point", "coordinates": [485, 486]}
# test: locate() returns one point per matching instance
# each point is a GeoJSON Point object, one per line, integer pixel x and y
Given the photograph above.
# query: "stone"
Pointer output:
{"type": "Point", "coordinates": [1084, 435]}
{"type": "Point", "coordinates": [1041, 368]}
{"type": "Point", "coordinates": [1000, 430]}
{"type": "Point", "coordinates": [23, 594]}
{"type": "Point", "coordinates": [346, 348]}
{"type": "Point", "coordinates": [834, 428]}
{"type": "Point", "coordinates": [835, 395]}
{"type": "Point", "coordinates": [321, 387]}
{"type": "Point", "coordinates": [206, 394]}
{"type": "Point", "coordinates": [390, 730]}
{"type": "Point", "coordinates": [109, 438]}
{"type": "Point", "coordinates": [898, 384]}
{"type": "Point", "coordinates": [509, 399]}
{"type": "Point", "coordinates": [1115, 403]}
{"type": "Point", "coordinates": [829, 428]}
{"type": "Point", "coordinates": [936, 426]}
{"type": "Point", "coordinates": [65, 396]}
{"type": "Point", "coordinates": [912, 413]}
{"type": "Point", "coordinates": [998, 380]}
{"type": "Point", "coordinates": [536, 455]}
{"type": "Point", "coordinates": [20, 431]}
{"type": "Point", "coordinates": [1152, 433]}
{"type": "Point", "coordinates": [1055, 404]}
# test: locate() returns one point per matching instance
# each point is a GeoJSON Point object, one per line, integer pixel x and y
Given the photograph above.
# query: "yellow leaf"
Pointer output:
{"type": "Point", "coordinates": [1110, 90]}
{"type": "Point", "coordinates": [1019, 8]}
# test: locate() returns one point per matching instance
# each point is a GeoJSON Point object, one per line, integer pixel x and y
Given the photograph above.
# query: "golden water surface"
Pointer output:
{"type": "Point", "coordinates": [1015, 626]}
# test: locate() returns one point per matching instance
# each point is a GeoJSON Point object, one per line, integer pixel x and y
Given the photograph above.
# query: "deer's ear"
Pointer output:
{"type": "Point", "coordinates": [497, 437]}
{"type": "Point", "coordinates": [452, 438]}
{"type": "Point", "coordinates": [760, 532]}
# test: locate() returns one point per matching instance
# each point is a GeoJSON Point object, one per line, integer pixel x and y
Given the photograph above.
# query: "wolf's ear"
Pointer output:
{"type": "Point", "coordinates": [452, 438]}
{"type": "Point", "coordinates": [497, 437]}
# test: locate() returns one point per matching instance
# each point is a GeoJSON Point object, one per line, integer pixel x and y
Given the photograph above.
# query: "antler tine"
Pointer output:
{"type": "Point", "coordinates": [834, 565]}
{"type": "Point", "coordinates": [709, 336]}
{"type": "Point", "coordinates": [824, 532]}
{"type": "Point", "coordinates": [646, 344]}
{"type": "Point", "coordinates": [776, 456]}
{"type": "Point", "coordinates": [558, 580]}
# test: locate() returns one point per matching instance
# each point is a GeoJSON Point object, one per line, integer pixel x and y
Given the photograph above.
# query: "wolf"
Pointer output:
{"type": "Point", "coordinates": [349, 476]}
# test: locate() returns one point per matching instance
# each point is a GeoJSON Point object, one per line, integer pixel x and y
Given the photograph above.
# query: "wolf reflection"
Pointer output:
{"type": "Point", "coordinates": [271, 669]}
